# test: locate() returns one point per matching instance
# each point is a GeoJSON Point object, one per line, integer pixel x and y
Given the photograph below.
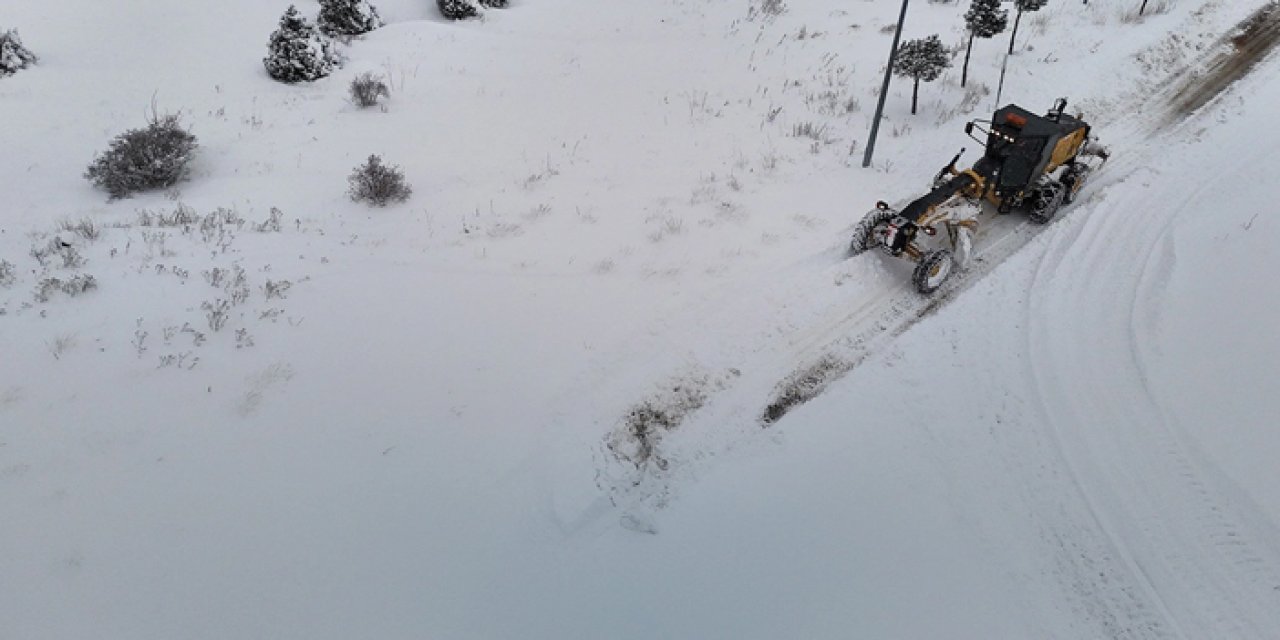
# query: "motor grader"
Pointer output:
{"type": "Point", "coordinates": [1032, 163]}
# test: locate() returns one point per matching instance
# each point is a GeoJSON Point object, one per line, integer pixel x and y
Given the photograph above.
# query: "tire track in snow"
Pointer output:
{"type": "Point", "coordinates": [834, 343]}
{"type": "Point", "coordinates": [1098, 568]}
{"type": "Point", "coordinates": [1234, 535]}
{"type": "Point", "coordinates": [1179, 535]}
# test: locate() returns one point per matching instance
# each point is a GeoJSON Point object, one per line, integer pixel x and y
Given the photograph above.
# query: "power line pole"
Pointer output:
{"type": "Point", "coordinates": [884, 89]}
{"type": "Point", "coordinates": [1003, 67]}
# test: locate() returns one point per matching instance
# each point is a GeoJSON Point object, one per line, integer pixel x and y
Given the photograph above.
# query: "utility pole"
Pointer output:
{"type": "Point", "coordinates": [1003, 67]}
{"type": "Point", "coordinates": [884, 89]}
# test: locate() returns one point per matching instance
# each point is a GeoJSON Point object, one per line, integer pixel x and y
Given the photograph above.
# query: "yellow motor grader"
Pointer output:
{"type": "Point", "coordinates": [1033, 163]}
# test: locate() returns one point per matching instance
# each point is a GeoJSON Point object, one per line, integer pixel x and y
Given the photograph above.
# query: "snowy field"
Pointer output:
{"type": "Point", "coordinates": [417, 421]}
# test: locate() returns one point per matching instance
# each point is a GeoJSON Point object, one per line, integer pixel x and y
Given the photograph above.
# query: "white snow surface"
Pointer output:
{"type": "Point", "coordinates": [421, 437]}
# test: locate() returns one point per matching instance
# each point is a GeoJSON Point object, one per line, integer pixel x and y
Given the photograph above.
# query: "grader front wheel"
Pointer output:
{"type": "Point", "coordinates": [932, 270]}
{"type": "Point", "coordinates": [864, 234]}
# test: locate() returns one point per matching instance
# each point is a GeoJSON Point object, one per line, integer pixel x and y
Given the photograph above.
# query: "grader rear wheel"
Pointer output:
{"type": "Point", "coordinates": [1045, 202]}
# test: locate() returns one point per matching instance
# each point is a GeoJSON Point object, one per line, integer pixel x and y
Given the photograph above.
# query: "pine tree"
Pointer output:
{"type": "Point", "coordinates": [458, 9]}
{"type": "Point", "coordinates": [347, 17]}
{"type": "Point", "coordinates": [13, 56]}
{"type": "Point", "coordinates": [922, 59]}
{"type": "Point", "coordinates": [297, 52]}
{"type": "Point", "coordinates": [984, 19]}
{"type": "Point", "coordinates": [1023, 6]}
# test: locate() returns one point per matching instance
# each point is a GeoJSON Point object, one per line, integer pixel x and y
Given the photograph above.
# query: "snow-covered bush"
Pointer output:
{"type": "Point", "coordinates": [378, 184]}
{"type": "Point", "coordinates": [297, 51]}
{"type": "Point", "coordinates": [458, 9]}
{"type": "Point", "coordinates": [366, 88]}
{"type": "Point", "coordinates": [494, 4]}
{"type": "Point", "coordinates": [7, 274]}
{"type": "Point", "coordinates": [347, 17]}
{"type": "Point", "coordinates": [149, 158]}
{"type": "Point", "coordinates": [921, 60]}
{"type": "Point", "coordinates": [13, 56]}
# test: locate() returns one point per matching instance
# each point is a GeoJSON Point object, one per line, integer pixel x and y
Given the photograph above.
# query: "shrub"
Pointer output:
{"type": "Point", "coordinates": [458, 9]}
{"type": "Point", "coordinates": [139, 159]}
{"type": "Point", "coordinates": [13, 56]}
{"type": "Point", "coordinates": [297, 52]}
{"type": "Point", "coordinates": [378, 184]}
{"type": "Point", "coordinates": [494, 4]}
{"type": "Point", "coordinates": [366, 88]}
{"type": "Point", "coordinates": [7, 274]}
{"type": "Point", "coordinates": [347, 17]}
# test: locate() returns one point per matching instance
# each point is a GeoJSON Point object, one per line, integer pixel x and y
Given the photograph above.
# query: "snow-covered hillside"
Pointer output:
{"type": "Point", "coordinates": [421, 420]}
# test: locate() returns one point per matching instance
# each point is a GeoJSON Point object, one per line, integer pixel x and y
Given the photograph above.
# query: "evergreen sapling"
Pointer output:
{"type": "Point", "coordinates": [347, 17]}
{"type": "Point", "coordinates": [297, 51]}
{"type": "Point", "coordinates": [13, 55]}
{"type": "Point", "coordinates": [984, 19]}
{"type": "Point", "coordinates": [1023, 6]}
{"type": "Point", "coordinates": [458, 9]}
{"type": "Point", "coordinates": [921, 60]}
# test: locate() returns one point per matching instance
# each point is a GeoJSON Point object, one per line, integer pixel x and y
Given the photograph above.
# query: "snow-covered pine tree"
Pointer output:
{"type": "Point", "coordinates": [922, 59]}
{"type": "Point", "coordinates": [347, 17]}
{"type": "Point", "coordinates": [984, 19]}
{"type": "Point", "coordinates": [13, 56]}
{"type": "Point", "coordinates": [458, 9]}
{"type": "Point", "coordinates": [297, 51]}
{"type": "Point", "coordinates": [1023, 6]}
